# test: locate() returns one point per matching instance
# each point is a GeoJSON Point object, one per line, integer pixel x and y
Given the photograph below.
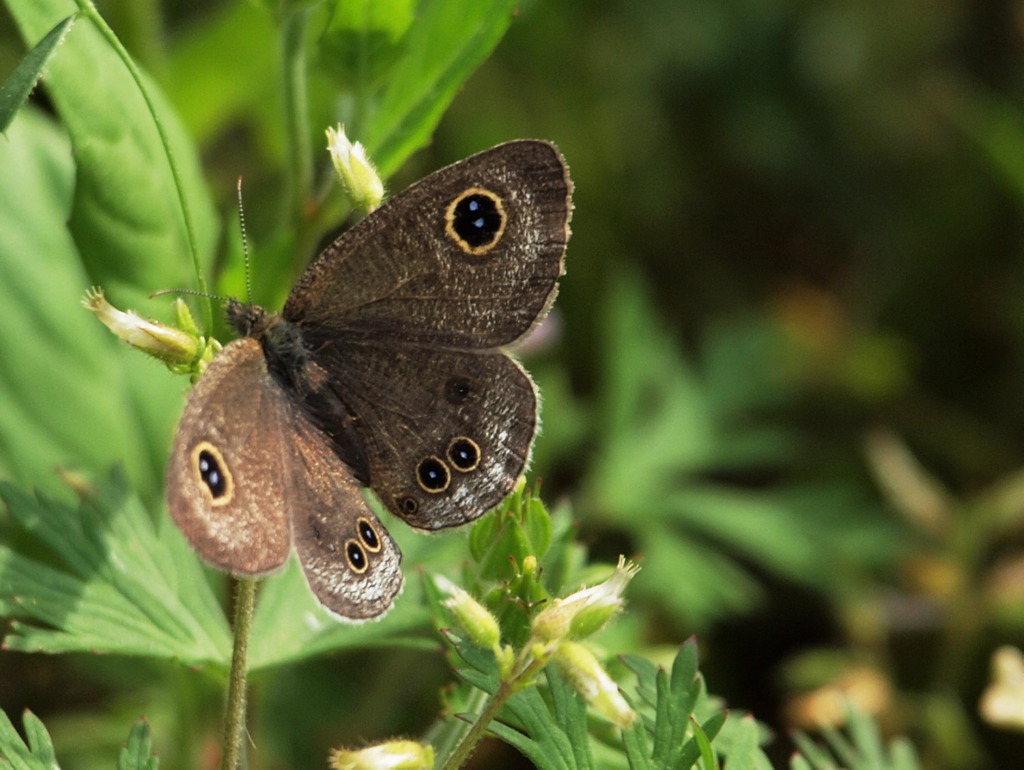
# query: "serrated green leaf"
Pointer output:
{"type": "Point", "coordinates": [660, 741]}
{"type": "Point", "coordinates": [903, 755]}
{"type": "Point", "coordinates": [122, 586]}
{"type": "Point", "coordinates": [19, 84]}
{"type": "Point", "coordinates": [666, 432]}
{"type": "Point", "coordinates": [550, 747]}
{"type": "Point", "coordinates": [842, 747]}
{"type": "Point", "coordinates": [815, 755]}
{"type": "Point", "coordinates": [39, 740]}
{"type": "Point", "coordinates": [861, 749]}
{"type": "Point", "coordinates": [137, 754]}
{"type": "Point", "coordinates": [684, 667]}
{"type": "Point", "coordinates": [745, 750]}
{"type": "Point", "coordinates": [36, 754]}
{"type": "Point", "coordinates": [290, 625]}
{"type": "Point", "coordinates": [638, 749]}
{"type": "Point", "coordinates": [707, 754]}
{"type": "Point", "coordinates": [481, 670]}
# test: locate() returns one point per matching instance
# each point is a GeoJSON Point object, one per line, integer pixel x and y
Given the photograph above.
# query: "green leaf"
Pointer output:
{"type": "Point", "coordinates": [363, 39]}
{"type": "Point", "coordinates": [541, 732]}
{"type": "Point", "coordinates": [19, 84]}
{"type": "Point", "coordinates": [448, 40]}
{"type": "Point", "coordinates": [112, 183]}
{"type": "Point", "coordinates": [137, 754]}
{"type": "Point", "coordinates": [290, 625]}
{"type": "Point", "coordinates": [126, 217]}
{"type": "Point", "coordinates": [664, 455]}
{"type": "Point", "coordinates": [219, 76]}
{"type": "Point", "coordinates": [537, 728]}
{"type": "Point", "coordinates": [49, 421]}
{"type": "Point", "coordinates": [572, 711]}
{"type": "Point", "coordinates": [707, 754]}
{"type": "Point", "coordinates": [745, 751]}
{"type": "Point", "coordinates": [860, 748]}
{"type": "Point", "coordinates": [122, 585]}
{"type": "Point", "coordinates": [36, 754]}
{"type": "Point", "coordinates": [669, 738]}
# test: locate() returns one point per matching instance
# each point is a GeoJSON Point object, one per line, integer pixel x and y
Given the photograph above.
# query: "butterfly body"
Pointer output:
{"type": "Point", "coordinates": [387, 369]}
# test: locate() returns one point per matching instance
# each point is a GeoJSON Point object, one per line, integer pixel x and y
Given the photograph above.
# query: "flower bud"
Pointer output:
{"type": "Point", "coordinates": [580, 667]}
{"type": "Point", "coordinates": [581, 614]}
{"type": "Point", "coordinates": [393, 755]}
{"type": "Point", "coordinates": [174, 347]}
{"type": "Point", "coordinates": [470, 615]}
{"type": "Point", "coordinates": [360, 179]}
{"type": "Point", "coordinates": [1002, 703]}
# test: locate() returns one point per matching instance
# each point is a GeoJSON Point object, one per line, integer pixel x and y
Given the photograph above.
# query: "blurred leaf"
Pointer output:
{"type": "Point", "coordinates": [37, 754]}
{"type": "Point", "coordinates": [122, 585]}
{"type": "Point", "coordinates": [448, 40]}
{"type": "Point", "coordinates": [137, 755]}
{"type": "Point", "coordinates": [224, 66]}
{"type": "Point", "coordinates": [125, 233]}
{"type": "Point", "coordinates": [363, 39]}
{"type": "Point", "coordinates": [19, 84]}
{"type": "Point", "coordinates": [664, 465]}
{"type": "Point", "coordinates": [291, 626]}
{"type": "Point", "coordinates": [126, 217]}
{"type": "Point", "coordinates": [91, 415]}
{"type": "Point", "coordinates": [861, 748]}
{"type": "Point", "coordinates": [996, 126]}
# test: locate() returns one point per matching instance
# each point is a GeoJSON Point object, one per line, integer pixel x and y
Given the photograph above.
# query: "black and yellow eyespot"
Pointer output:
{"type": "Point", "coordinates": [356, 557]}
{"type": "Point", "coordinates": [464, 454]}
{"type": "Point", "coordinates": [368, 535]}
{"type": "Point", "coordinates": [433, 475]}
{"type": "Point", "coordinates": [476, 220]}
{"type": "Point", "coordinates": [212, 473]}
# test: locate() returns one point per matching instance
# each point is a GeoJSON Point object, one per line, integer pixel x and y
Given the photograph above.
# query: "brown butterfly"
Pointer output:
{"type": "Point", "coordinates": [387, 368]}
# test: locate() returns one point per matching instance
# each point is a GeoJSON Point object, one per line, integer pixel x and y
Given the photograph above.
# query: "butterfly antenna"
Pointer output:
{"type": "Point", "coordinates": [245, 244]}
{"type": "Point", "coordinates": [190, 292]}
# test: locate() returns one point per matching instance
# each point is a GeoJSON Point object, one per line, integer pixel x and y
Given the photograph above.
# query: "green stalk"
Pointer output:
{"type": "Point", "coordinates": [234, 718]}
{"type": "Point", "coordinates": [506, 689]}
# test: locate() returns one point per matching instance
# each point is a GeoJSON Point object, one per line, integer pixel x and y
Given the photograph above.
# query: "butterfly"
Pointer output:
{"type": "Point", "coordinates": [387, 368]}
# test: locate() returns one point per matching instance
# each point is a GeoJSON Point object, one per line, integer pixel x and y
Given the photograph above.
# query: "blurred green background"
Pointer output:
{"type": "Point", "coordinates": [787, 361]}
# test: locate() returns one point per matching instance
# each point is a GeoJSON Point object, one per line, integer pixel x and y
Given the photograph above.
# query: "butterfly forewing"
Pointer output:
{"type": "Point", "coordinates": [417, 269]}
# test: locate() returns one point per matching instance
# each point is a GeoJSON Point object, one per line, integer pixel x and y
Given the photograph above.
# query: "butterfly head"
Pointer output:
{"type": "Point", "coordinates": [250, 320]}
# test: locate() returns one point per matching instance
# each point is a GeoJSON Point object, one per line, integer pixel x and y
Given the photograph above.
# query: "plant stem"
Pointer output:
{"type": "Point", "coordinates": [234, 718]}
{"type": "Point", "coordinates": [506, 689]}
